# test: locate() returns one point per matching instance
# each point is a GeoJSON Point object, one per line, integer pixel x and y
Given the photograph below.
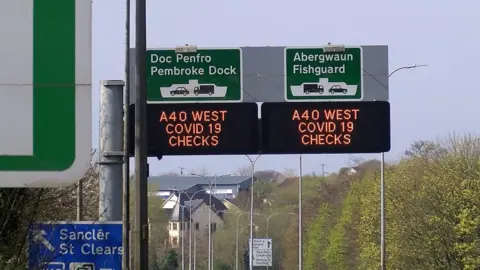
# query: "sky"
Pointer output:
{"type": "Point", "coordinates": [426, 103]}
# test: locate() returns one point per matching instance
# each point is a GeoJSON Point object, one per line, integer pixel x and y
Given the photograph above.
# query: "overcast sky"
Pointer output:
{"type": "Point", "coordinates": [426, 102]}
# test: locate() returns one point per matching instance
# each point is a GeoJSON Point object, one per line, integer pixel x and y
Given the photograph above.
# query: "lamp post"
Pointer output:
{"type": "Point", "coordinates": [300, 249]}
{"type": "Point", "coordinates": [195, 249]}
{"type": "Point", "coordinates": [250, 258]}
{"type": "Point", "coordinates": [236, 239]}
{"type": "Point", "coordinates": [275, 214]}
{"type": "Point", "coordinates": [210, 184]}
{"type": "Point", "coordinates": [182, 228]}
{"type": "Point", "coordinates": [190, 225]}
{"type": "Point", "coordinates": [382, 189]}
{"type": "Point", "coordinates": [213, 248]}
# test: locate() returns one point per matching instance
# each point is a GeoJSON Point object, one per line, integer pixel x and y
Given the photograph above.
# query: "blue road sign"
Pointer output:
{"type": "Point", "coordinates": [86, 245]}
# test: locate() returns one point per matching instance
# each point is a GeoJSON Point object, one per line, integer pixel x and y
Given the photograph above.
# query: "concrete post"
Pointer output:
{"type": "Point", "coordinates": [111, 150]}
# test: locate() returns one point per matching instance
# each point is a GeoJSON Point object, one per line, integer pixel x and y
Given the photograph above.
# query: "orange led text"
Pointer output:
{"type": "Point", "coordinates": [199, 128]}
{"type": "Point", "coordinates": [325, 126]}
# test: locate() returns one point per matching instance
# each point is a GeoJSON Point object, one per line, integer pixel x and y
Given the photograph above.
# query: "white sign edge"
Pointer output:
{"type": "Point", "coordinates": [83, 115]}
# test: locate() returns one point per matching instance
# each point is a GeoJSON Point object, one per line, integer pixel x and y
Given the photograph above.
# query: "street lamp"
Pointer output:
{"type": "Point", "coordinates": [210, 184]}
{"type": "Point", "coordinates": [236, 239]}
{"type": "Point", "coordinates": [300, 242]}
{"type": "Point", "coordinates": [182, 228]}
{"type": "Point", "coordinates": [190, 225]}
{"type": "Point", "coordinates": [382, 188]}
{"type": "Point", "coordinates": [275, 214]}
{"type": "Point", "coordinates": [213, 248]}
{"type": "Point", "coordinates": [252, 162]}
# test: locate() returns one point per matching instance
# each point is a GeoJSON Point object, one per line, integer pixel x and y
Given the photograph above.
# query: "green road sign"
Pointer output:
{"type": "Point", "coordinates": [313, 75]}
{"type": "Point", "coordinates": [207, 75]}
{"type": "Point", "coordinates": [45, 107]}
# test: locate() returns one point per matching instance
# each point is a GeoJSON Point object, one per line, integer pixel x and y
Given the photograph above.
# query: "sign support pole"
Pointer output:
{"type": "Point", "coordinates": [80, 200]}
{"type": "Point", "coordinates": [300, 216]}
{"type": "Point", "coordinates": [141, 170]}
{"type": "Point", "coordinates": [250, 257]}
{"type": "Point", "coordinates": [126, 139]}
{"type": "Point", "coordinates": [111, 115]}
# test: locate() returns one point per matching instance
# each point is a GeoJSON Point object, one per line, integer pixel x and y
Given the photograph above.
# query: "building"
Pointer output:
{"type": "Point", "coordinates": [224, 187]}
{"type": "Point", "coordinates": [181, 210]}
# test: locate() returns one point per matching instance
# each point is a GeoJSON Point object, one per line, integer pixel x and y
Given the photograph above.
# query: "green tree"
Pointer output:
{"type": "Point", "coordinates": [432, 208]}
{"type": "Point", "coordinates": [221, 265]}
{"type": "Point", "coordinates": [170, 262]}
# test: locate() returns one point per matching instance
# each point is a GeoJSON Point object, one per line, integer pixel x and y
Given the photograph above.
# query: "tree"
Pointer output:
{"type": "Point", "coordinates": [433, 218]}
{"type": "Point", "coordinates": [246, 259]}
{"type": "Point", "coordinates": [202, 171]}
{"type": "Point", "coordinates": [170, 262]}
{"type": "Point", "coordinates": [245, 170]}
{"type": "Point", "coordinates": [221, 265]}
{"type": "Point", "coordinates": [21, 207]}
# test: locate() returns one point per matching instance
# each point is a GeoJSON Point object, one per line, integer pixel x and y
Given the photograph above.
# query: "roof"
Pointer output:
{"type": "Point", "coordinates": [186, 182]}
{"type": "Point", "coordinates": [197, 199]}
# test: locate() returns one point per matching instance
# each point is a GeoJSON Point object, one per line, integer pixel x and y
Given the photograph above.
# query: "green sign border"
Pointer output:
{"type": "Point", "coordinates": [203, 100]}
{"type": "Point", "coordinates": [320, 98]}
{"type": "Point", "coordinates": [53, 90]}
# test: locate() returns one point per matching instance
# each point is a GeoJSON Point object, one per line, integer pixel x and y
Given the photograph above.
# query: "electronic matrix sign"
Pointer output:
{"type": "Point", "coordinates": [327, 127]}
{"type": "Point", "coordinates": [200, 129]}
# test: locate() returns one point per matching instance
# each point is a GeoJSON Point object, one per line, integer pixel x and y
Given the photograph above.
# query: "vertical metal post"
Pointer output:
{"type": "Point", "coordinates": [190, 234]}
{"type": "Point", "coordinates": [141, 170]}
{"type": "Point", "coordinates": [323, 169]}
{"type": "Point", "coordinates": [111, 154]}
{"type": "Point", "coordinates": [236, 247]}
{"type": "Point", "coordinates": [250, 247]}
{"type": "Point", "coordinates": [182, 228]}
{"type": "Point", "coordinates": [382, 213]}
{"type": "Point", "coordinates": [250, 259]}
{"type": "Point", "coordinates": [80, 200]}
{"type": "Point", "coordinates": [126, 140]}
{"type": "Point", "coordinates": [194, 252]}
{"type": "Point", "coordinates": [210, 227]}
{"type": "Point", "coordinates": [300, 216]}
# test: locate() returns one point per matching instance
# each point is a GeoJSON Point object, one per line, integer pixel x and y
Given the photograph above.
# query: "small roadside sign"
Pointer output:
{"type": "Point", "coordinates": [207, 75]}
{"type": "Point", "coordinates": [262, 252]}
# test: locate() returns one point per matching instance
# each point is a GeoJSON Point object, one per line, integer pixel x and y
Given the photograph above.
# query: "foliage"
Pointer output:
{"type": "Point", "coordinates": [432, 215]}
{"type": "Point", "coordinates": [20, 207]}
{"type": "Point", "coordinates": [170, 262]}
{"type": "Point", "coordinates": [221, 265]}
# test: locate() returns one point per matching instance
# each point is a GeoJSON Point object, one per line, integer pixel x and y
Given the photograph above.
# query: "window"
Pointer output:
{"type": "Point", "coordinates": [197, 226]}
{"type": "Point", "coordinates": [174, 226]}
{"type": "Point", "coordinates": [214, 227]}
{"type": "Point", "coordinates": [181, 226]}
{"type": "Point", "coordinates": [174, 241]}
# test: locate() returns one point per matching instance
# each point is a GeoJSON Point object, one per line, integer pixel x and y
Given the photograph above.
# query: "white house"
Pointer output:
{"type": "Point", "coordinates": [179, 206]}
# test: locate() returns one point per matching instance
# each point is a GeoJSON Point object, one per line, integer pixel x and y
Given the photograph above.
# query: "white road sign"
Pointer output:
{"type": "Point", "coordinates": [262, 252]}
{"type": "Point", "coordinates": [45, 92]}
{"type": "Point", "coordinates": [262, 243]}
